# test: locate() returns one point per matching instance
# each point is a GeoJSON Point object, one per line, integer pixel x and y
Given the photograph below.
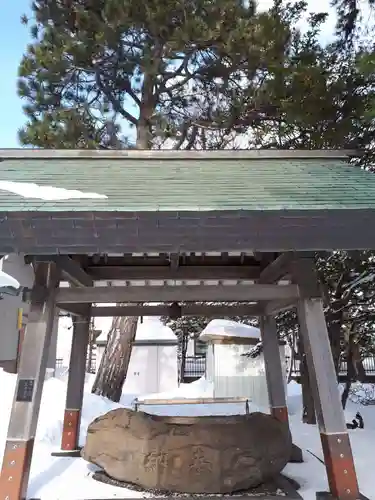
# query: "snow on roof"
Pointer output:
{"type": "Point", "coordinates": [103, 324]}
{"type": "Point", "coordinates": [47, 193]}
{"type": "Point", "coordinates": [153, 329]}
{"type": "Point", "coordinates": [150, 329]}
{"type": "Point", "coordinates": [227, 328]}
{"type": "Point", "coordinates": [103, 336]}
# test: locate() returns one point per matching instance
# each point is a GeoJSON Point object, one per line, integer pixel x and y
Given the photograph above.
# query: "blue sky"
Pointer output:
{"type": "Point", "coordinates": [14, 38]}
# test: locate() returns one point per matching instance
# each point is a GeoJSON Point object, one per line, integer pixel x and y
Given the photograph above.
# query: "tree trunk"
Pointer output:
{"type": "Point", "coordinates": [293, 357]}
{"type": "Point", "coordinates": [308, 412]}
{"type": "Point", "coordinates": [350, 372]}
{"type": "Point", "coordinates": [114, 364]}
{"type": "Point", "coordinates": [335, 335]}
{"type": "Point", "coordinates": [308, 407]}
{"type": "Point", "coordinates": [359, 371]}
{"type": "Point", "coordinates": [185, 340]}
{"type": "Point", "coordinates": [115, 361]}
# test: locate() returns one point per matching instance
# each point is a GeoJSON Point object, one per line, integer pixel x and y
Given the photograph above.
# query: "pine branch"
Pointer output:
{"type": "Point", "coordinates": [115, 102]}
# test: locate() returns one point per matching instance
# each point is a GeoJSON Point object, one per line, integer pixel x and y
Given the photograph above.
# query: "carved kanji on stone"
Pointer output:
{"type": "Point", "coordinates": [200, 464]}
{"type": "Point", "coordinates": [154, 459]}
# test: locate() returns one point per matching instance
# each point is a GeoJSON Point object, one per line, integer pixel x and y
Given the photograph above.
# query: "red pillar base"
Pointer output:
{"type": "Point", "coordinates": [342, 478]}
{"type": "Point", "coordinates": [15, 471]}
{"type": "Point", "coordinates": [70, 434]}
{"type": "Point", "coordinates": [280, 413]}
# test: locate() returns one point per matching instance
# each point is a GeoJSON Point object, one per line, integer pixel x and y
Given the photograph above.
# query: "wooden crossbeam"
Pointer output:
{"type": "Point", "coordinates": [185, 293]}
{"type": "Point", "coordinates": [275, 307]}
{"type": "Point", "coordinates": [173, 272]}
{"type": "Point", "coordinates": [207, 310]}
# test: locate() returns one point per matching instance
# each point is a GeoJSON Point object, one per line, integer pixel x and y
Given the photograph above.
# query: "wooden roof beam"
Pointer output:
{"type": "Point", "coordinates": [277, 306]}
{"type": "Point", "coordinates": [207, 310]}
{"type": "Point", "coordinates": [277, 269]}
{"type": "Point", "coordinates": [184, 293]}
{"type": "Point", "coordinates": [71, 269]}
{"type": "Point", "coordinates": [174, 272]}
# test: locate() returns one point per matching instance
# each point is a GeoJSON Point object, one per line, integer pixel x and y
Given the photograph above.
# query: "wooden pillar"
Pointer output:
{"type": "Point", "coordinates": [76, 382]}
{"type": "Point", "coordinates": [31, 374]}
{"type": "Point", "coordinates": [337, 451]}
{"type": "Point", "coordinates": [274, 371]}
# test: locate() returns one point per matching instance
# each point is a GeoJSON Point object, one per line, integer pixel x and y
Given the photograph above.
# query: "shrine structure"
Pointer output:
{"type": "Point", "coordinates": [175, 232]}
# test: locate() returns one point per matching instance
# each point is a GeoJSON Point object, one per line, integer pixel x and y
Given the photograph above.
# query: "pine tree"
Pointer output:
{"type": "Point", "coordinates": [190, 74]}
{"type": "Point", "coordinates": [98, 70]}
{"type": "Point", "coordinates": [320, 97]}
{"type": "Point", "coordinates": [349, 12]}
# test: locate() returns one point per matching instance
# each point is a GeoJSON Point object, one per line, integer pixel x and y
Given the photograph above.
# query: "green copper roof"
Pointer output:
{"type": "Point", "coordinates": [130, 184]}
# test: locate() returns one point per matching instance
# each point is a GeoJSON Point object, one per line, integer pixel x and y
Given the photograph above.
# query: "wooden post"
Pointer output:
{"type": "Point", "coordinates": [337, 451]}
{"type": "Point", "coordinates": [76, 382]}
{"type": "Point", "coordinates": [31, 374]}
{"type": "Point", "coordinates": [274, 371]}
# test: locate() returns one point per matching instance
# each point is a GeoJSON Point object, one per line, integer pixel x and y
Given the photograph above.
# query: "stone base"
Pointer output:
{"type": "Point", "coordinates": [269, 491]}
{"type": "Point", "coordinates": [210, 455]}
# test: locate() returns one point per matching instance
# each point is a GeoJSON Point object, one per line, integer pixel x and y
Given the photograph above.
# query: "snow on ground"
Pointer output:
{"type": "Point", "coordinates": [59, 478]}
{"type": "Point", "coordinates": [200, 389]}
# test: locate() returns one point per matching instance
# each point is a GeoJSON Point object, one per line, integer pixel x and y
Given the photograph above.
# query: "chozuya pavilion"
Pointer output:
{"type": "Point", "coordinates": [177, 222]}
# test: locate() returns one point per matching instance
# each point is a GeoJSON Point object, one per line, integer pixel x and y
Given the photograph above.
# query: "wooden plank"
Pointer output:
{"type": "Point", "coordinates": [190, 401]}
{"type": "Point", "coordinates": [191, 260]}
{"type": "Point", "coordinates": [211, 496]}
{"type": "Point", "coordinates": [208, 310]}
{"type": "Point", "coordinates": [190, 293]}
{"type": "Point", "coordinates": [31, 374]}
{"type": "Point", "coordinates": [290, 230]}
{"type": "Point", "coordinates": [173, 273]}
